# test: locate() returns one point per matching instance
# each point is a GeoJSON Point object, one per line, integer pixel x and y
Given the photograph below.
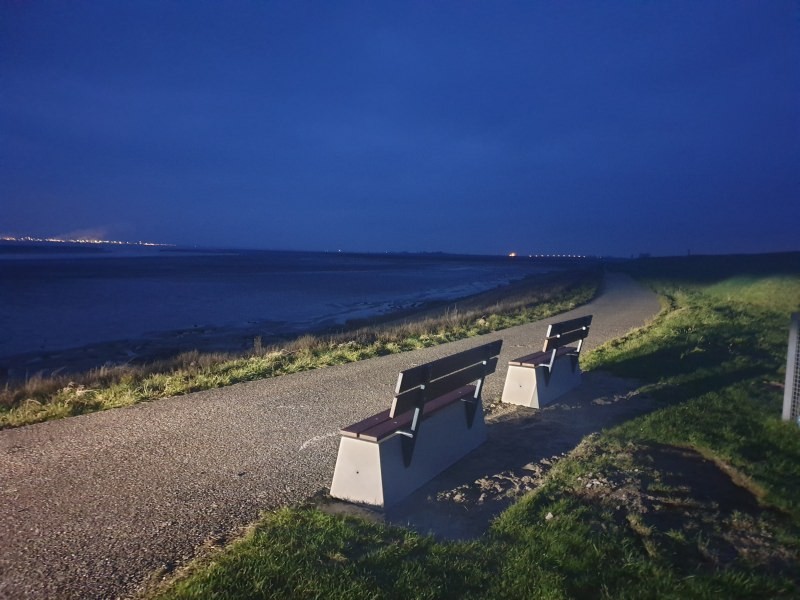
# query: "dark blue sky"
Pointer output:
{"type": "Point", "coordinates": [479, 127]}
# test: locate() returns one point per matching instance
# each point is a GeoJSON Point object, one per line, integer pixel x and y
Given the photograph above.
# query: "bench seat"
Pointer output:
{"type": "Point", "coordinates": [381, 426]}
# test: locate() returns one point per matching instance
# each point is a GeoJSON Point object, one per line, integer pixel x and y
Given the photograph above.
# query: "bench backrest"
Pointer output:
{"type": "Point", "coordinates": [566, 332]}
{"type": "Point", "coordinates": [423, 383]}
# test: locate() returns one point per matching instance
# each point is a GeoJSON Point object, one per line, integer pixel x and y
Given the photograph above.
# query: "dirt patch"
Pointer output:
{"type": "Point", "coordinates": [679, 504]}
{"type": "Point", "coordinates": [522, 446]}
{"type": "Point", "coordinates": [671, 498]}
{"type": "Point", "coordinates": [688, 507]}
{"type": "Point", "coordinates": [499, 486]}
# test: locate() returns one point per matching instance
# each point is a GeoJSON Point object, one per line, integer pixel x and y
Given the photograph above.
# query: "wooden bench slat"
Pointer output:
{"type": "Point", "coordinates": [536, 358]}
{"type": "Point", "coordinates": [389, 426]}
{"type": "Point", "coordinates": [540, 358]}
{"type": "Point", "coordinates": [415, 376]}
{"type": "Point", "coordinates": [571, 325]}
{"type": "Point", "coordinates": [356, 428]}
{"type": "Point", "coordinates": [409, 400]}
{"type": "Point", "coordinates": [564, 339]}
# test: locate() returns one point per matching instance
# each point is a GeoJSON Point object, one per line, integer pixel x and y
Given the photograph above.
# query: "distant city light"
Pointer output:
{"type": "Point", "coordinates": [28, 238]}
{"type": "Point", "coordinates": [512, 253]}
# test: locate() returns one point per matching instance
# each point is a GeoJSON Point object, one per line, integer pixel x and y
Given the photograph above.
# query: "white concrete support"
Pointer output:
{"type": "Point", "coordinates": [532, 387]}
{"type": "Point", "coordinates": [373, 472]}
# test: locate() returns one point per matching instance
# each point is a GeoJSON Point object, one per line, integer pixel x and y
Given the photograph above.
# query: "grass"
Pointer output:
{"type": "Point", "coordinates": [45, 398]}
{"type": "Point", "coordinates": [307, 554]}
{"type": "Point", "coordinates": [698, 499]}
{"type": "Point", "coordinates": [717, 356]}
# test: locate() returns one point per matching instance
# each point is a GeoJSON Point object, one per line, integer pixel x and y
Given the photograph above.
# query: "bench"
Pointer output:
{"type": "Point", "coordinates": [538, 379]}
{"type": "Point", "coordinates": [436, 417]}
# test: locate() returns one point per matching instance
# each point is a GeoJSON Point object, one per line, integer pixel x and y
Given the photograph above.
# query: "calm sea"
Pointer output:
{"type": "Point", "coordinates": [51, 301]}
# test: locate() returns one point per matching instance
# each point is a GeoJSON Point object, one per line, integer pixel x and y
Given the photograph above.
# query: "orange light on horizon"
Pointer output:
{"type": "Point", "coordinates": [512, 254]}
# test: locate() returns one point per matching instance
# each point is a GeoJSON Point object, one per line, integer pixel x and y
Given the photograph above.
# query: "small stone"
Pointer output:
{"type": "Point", "coordinates": [548, 516]}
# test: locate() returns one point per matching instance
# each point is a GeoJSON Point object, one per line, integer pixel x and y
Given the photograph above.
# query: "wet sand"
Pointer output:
{"type": "Point", "coordinates": [157, 346]}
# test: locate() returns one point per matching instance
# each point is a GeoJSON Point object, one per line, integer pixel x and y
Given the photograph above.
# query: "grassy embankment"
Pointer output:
{"type": "Point", "coordinates": [45, 398]}
{"type": "Point", "coordinates": [646, 509]}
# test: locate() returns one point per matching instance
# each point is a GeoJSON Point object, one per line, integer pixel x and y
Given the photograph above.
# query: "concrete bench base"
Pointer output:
{"type": "Point", "coordinates": [374, 473]}
{"type": "Point", "coordinates": [530, 386]}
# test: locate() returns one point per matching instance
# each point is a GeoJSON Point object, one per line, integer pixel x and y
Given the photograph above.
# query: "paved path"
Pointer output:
{"type": "Point", "coordinates": [93, 505]}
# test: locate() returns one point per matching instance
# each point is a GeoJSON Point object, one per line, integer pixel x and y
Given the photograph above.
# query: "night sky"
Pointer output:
{"type": "Point", "coordinates": [610, 128]}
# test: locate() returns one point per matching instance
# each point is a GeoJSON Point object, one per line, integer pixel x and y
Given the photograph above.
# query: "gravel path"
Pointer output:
{"type": "Point", "coordinates": [96, 504]}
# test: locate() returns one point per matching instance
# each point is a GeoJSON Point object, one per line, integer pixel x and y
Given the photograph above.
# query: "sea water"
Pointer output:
{"type": "Point", "coordinates": [60, 300]}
